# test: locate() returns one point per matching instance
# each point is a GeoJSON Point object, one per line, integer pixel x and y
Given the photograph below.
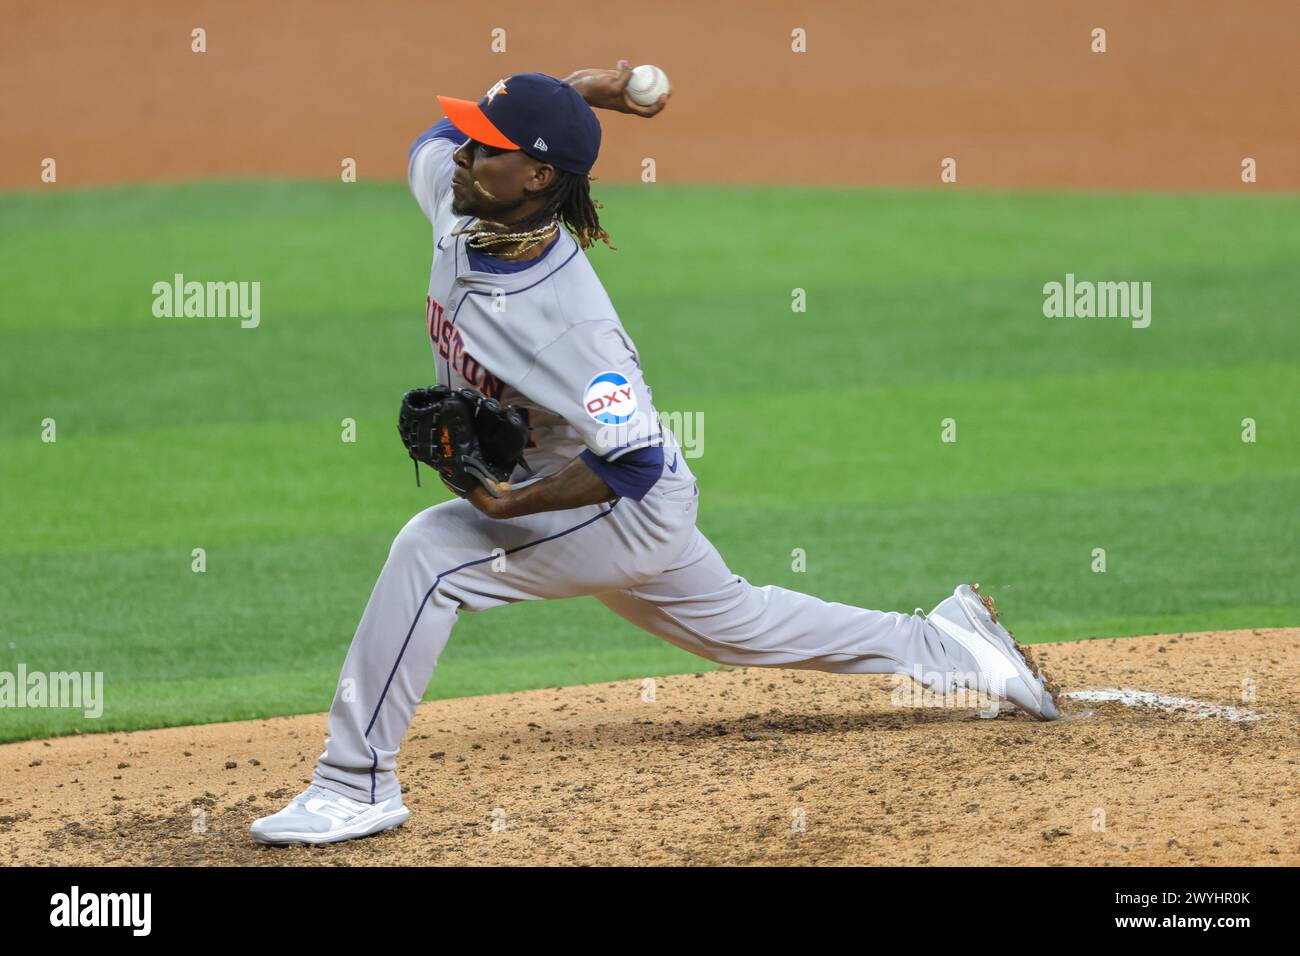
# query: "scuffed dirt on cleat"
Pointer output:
{"type": "Point", "coordinates": [1031, 662]}
{"type": "Point", "coordinates": [1052, 686]}
{"type": "Point", "coordinates": [988, 602]}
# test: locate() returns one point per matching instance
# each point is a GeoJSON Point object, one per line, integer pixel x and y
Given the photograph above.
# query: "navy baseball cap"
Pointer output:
{"type": "Point", "coordinates": [545, 117]}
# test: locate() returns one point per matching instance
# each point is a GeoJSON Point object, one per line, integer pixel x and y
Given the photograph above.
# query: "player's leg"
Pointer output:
{"type": "Point", "coordinates": [701, 606]}
{"type": "Point", "coordinates": [451, 558]}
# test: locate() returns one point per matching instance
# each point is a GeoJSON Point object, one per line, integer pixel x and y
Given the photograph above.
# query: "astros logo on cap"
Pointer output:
{"type": "Point", "coordinates": [543, 116]}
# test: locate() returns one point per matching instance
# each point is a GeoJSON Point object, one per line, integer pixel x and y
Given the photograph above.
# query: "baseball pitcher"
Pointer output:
{"type": "Point", "coordinates": [544, 425]}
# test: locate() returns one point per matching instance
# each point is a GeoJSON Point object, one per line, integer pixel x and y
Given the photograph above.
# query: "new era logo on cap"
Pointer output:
{"type": "Point", "coordinates": [532, 108]}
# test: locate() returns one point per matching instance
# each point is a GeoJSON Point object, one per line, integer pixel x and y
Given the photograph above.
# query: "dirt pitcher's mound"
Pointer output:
{"type": "Point", "coordinates": [1198, 766]}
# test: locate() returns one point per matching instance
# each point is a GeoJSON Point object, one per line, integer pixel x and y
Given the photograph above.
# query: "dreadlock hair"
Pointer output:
{"type": "Point", "coordinates": [571, 203]}
{"type": "Point", "coordinates": [568, 201]}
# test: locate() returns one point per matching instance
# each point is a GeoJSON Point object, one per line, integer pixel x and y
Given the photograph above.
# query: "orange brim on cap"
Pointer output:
{"type": "Point", "coordinates": [473, 122]}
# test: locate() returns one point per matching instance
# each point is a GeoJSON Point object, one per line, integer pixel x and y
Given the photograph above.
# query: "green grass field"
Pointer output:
{"type": "Point", "coordinates": [822, 428]}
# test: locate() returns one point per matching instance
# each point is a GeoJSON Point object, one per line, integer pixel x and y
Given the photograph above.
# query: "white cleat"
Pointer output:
{"type": "Point", "coordinates": [971, 619]}
{"type": "Point", "coordinates": [318, 815]}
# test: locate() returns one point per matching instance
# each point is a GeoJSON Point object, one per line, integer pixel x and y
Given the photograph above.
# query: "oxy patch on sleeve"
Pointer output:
{"type": "Point", "coordinates": [610, 398]}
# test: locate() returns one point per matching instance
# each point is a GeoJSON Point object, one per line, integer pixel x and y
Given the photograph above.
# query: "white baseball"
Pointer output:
{"type": "Point", "coordinates": [648, 83]}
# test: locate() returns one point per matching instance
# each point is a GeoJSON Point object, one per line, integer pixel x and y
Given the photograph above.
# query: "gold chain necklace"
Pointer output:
{"type": "Point", "coordinates": [483, 237]}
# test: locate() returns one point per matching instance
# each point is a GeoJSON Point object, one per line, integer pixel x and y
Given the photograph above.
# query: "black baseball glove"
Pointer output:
{"type": "Point", "coordinates": [467, 438]}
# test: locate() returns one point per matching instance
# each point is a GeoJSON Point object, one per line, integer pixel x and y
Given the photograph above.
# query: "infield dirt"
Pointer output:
{"type": "Point", "coordinates": [723, 767]}
{"type": "Point", "coordinates": [1011, 89]}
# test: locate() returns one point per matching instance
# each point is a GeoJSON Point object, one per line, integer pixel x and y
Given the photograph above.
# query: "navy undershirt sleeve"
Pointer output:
{"type": "Point", "coordinates": [633, 474]}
